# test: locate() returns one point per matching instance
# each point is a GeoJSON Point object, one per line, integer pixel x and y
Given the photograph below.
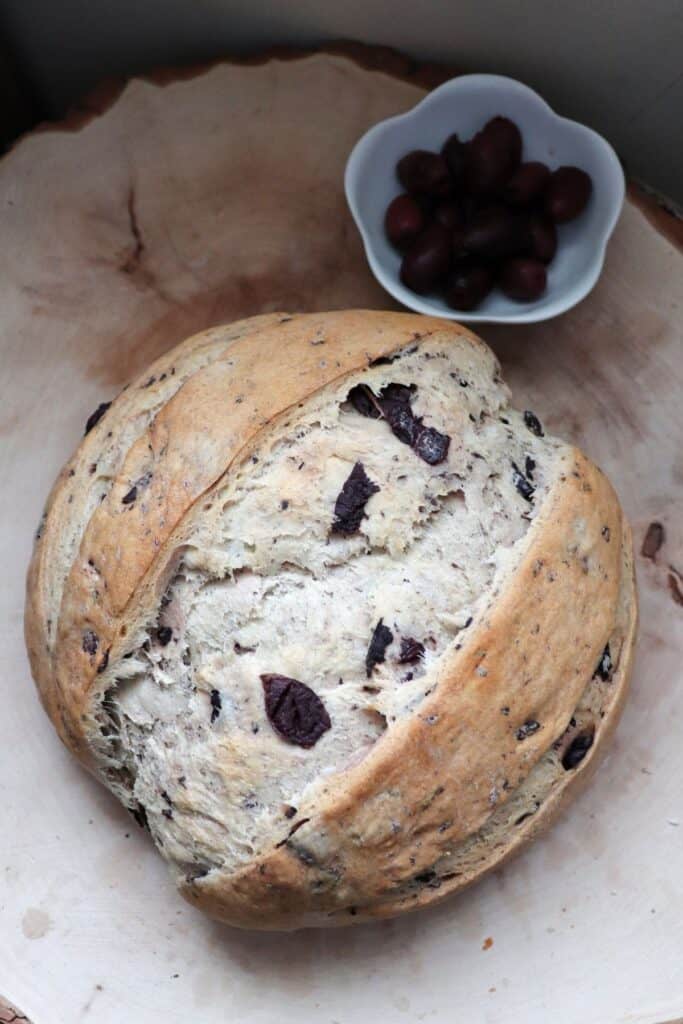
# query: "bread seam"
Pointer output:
{"type": "Point", "coordinates": [531, 823]}
{"type": "Point", "coordinates": [43, 577]}
{"type": "Point", "coordinates": [301, 865]}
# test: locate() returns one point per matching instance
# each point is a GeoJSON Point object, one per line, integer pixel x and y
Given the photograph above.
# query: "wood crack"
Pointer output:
{"type": "Point", "coordinates": [133, 260]}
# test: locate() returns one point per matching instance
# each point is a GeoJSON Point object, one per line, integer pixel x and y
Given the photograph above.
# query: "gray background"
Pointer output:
{"type": "Point", "coordinates": [614, 64]}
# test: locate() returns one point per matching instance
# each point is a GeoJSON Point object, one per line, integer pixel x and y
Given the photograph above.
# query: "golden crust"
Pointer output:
{"type": "Point", "coordinates": [550, 621]}
{"type": "Point", "coordinates": [192, 441]}
{"type": "Point", "coordinates": [547, 620]}
{"type": "Point", "coordinates": [570, 783]}
{"type": "Point", "coordinates": [66, 497]}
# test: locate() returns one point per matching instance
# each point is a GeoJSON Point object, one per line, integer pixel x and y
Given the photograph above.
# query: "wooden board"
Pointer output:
{"type": "Point", "coordinates": [194, 202]}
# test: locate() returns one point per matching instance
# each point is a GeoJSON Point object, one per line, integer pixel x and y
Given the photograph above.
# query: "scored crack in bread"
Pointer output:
{"type": "Point", "coordinates": [557, 777]}
{"type": "Point", "coordinates": [344, 628]}
{"type": "Point", "coordinates": [86, 478]}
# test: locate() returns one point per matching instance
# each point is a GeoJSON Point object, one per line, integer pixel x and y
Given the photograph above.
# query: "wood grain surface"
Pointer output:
{"type": "Point", "coordinates": [177, 203]}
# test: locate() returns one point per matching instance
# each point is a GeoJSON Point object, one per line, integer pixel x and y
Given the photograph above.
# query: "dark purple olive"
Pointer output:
{"type": "Point", "coordinates": [508, 137]}
{"type": "Point", "coordinates": [448, 214]}
{"type": "Point", "coordinates": [527, 182]}
{"type": "Point", "coordinates": [470, 206]}
{"type": "Point", "coordinates": [523, 279]}
{"type": "Point", "coordinates": [427, 260]}
{"type": "Point", "coordinates": [403, 221]}
{"type": "Point", "coordinates": [453, 151]}
{"type": "Point", "coordinates": [466, 288]}
{"type": "Point", "coordinates": [426, 204]}
{"type": "Point", "coordinates": [542, 238]}
{"type": "Point", "coordinates": [495, 232]}
{"type": "Point", "coordinates": [460, 257]}
{"type": "Point", "coordinates": [484, 172]}
{"type": "Point", "coordinates": [421, 171]}
{"type": "Point", "coordinates": [458, 241]}
{"type": "Point", "coordinates": [507, 134]}
{"type": "Point", "coordinates": [491, 156]}
{"type": "Point", "coordinates": [566, 194]}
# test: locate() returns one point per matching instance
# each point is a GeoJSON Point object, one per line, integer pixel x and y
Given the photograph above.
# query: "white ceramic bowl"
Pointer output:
{"type": "Point", "coordinates": [464, 105]}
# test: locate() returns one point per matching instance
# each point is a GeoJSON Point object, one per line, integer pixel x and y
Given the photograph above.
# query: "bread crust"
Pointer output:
{"type": "Point", "coordinates": [294, 886]}
{"type": "Point", "coordinates": [351, 853]}
{"type": "Point", "coordinates": [66, 501]}
{"type": "Point", "coordinates": [192, 442]}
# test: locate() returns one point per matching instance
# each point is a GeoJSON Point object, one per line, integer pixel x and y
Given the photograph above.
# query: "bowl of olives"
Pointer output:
{"type": "Point", "coordinates": [483, 204]}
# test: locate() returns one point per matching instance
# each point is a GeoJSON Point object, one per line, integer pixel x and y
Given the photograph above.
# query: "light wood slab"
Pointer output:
{"type": "Point", "coordinates": [218, 196]}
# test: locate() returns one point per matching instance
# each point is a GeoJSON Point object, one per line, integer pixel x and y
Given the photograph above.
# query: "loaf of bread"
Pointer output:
{"type": "Point", "coordinates": [338, 625]}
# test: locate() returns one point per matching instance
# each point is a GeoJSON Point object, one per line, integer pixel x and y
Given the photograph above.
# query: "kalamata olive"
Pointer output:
{"type": "Point", "coordinates": [426, 204]}
{"type": "Point", "coordinates": [422, 171]}
{"type": "Point", "coordinates": [449, 214]}
{"type": "Point", "coordinates": [495, 232]}
{"type": "Point", "coordinates": [467, 287]}
{"type": "Point", "coordinates": [461, 259]}
{"type": "Point", "coordinates": [487, 168]}
{"type": "Point", "coordinates": [523, 279]}
{"type": "Point", "coordinates": [491, 156]}
{"type": "Point", "coordinates": [566, 194]}
{"type": "Point", "coordinates": [470, 206]}
{"type": "Point", "coordinates": [453, 151]}
{"type": "Point", "coordinates": [484, 172]}
{"type": "Point", "coordinates": [542, 238]}
{"type": "Point", "coordinates": [403, 221]}
{"type": "Point", "coordinates": [527, 182]}
{"type": "Point", "coordinates": [427, 259]}
{"type": "Point", "coordinates": [508, 136]}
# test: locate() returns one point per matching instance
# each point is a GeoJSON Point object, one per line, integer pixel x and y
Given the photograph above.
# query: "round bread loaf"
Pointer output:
{"type": "Point", "coordinates": [340, 627]}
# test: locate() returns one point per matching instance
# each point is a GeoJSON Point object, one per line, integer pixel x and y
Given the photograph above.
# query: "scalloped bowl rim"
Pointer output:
{"type": "Point", "coordinates": [391, 283]}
